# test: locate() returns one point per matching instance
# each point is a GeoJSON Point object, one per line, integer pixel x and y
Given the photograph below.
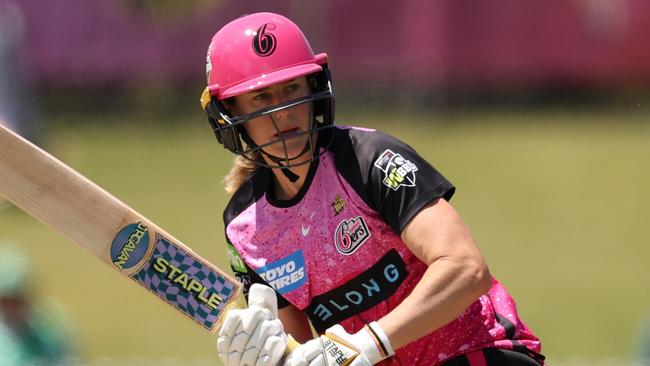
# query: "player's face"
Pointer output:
{"type": "Point", "coordinates": [284, 125]}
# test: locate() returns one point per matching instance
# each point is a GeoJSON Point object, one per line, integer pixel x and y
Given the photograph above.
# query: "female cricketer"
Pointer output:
{"type": "Point", "coordinates": [349, 230]}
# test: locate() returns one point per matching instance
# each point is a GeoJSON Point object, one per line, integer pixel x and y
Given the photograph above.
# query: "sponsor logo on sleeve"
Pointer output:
{"type": "Point", "coordinates": [236, 262]}
{"type": "Point", "coordinates": [286, 274]}
{"type": "Point", "coordinates": [350, 234]}
{"type": "Point", "coordinates": [397, 171]}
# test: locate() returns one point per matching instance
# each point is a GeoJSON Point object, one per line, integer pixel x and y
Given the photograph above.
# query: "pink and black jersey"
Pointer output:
{"type": "Point", "coordinates": [335, 252]}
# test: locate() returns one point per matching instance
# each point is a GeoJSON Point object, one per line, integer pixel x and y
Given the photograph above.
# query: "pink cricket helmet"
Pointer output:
{"type": "Point", "coordinates": [253, 52]}
{"type": "Point", "coordinates": [258, 50]}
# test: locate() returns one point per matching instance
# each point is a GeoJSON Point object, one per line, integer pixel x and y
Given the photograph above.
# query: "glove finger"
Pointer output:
{"type": "Point", "coordinates": [249, 320]}
{"type": "Point", "coordinates": [249, 356]}
{"type": "Point", "coordinates": [239, 343]}
{"type": "Point", "coordinates": [227, 332]}
{"type": "Point", "coordinates": [223, 346]}
{"type": "Point", "coordinates": [231, 323]}
{"type": "Point", "coordinates": [233, 359]}
{"type": "Point", "coordinates": [273, 327]}
{"type": "Point", "coordinates": [268, 333]}
{"type": "Point", "coordinates": [287, 360]}
{"type": "Point", "coordinates": [272, 351]}
{"type": "Point", "coordinates": [313, 349]}
{"type": "Point", "coordinates": [296, 357]}
{"type": "Point", "coordinates": [264, 297]}
{"type": "Point", "coordinates": [277, 346]}
{"type": "Point", "coordinates": [306, 353]}
{"type": "Point", "coordinates": [297, 360]}
{"type": "Point", "coordinates": [318, 361]}
{"type": "Point", "coordinates": [265, 361]}
{"type": "Point", "coordinates": [237, 322]}
{"type": "Point", "coordinates": [255, 343]}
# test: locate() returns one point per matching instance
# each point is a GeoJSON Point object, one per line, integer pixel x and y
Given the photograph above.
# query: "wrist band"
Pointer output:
{"type": "Point", "coordinates": [380, 338]}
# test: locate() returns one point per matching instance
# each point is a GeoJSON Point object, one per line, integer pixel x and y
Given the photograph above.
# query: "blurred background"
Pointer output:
{"type": "Point", "coordinates": [537, 110]}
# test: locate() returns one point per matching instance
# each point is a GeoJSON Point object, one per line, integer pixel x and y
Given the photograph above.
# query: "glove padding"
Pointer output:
{"type": "Point", "coordinates": [340, 348]}
{"type": "Point", "coordinates": [253, 336]}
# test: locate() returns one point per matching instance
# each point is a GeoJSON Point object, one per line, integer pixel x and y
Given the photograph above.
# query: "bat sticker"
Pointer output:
{"type": "Point", "coordinates": [179, 279]}
{"type": "Point", "coordinates": [130, 245]}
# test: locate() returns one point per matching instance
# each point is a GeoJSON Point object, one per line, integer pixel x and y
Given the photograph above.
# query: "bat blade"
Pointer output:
{"type": "Point", "coordinates": [62, 198]}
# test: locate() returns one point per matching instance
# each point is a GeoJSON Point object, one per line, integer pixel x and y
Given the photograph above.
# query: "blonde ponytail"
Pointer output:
{"type": "Point", "coordinates": [241, 170]}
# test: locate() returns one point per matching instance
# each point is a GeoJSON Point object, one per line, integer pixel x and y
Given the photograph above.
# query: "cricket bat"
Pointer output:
{"type": "Point", "coordinates": [62, 198]}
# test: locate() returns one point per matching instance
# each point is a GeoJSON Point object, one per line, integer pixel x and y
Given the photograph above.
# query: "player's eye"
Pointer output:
{"type": "Point", "coordinates": [261, 97]}
{"type": "Point", "coordinates": [294, 90]}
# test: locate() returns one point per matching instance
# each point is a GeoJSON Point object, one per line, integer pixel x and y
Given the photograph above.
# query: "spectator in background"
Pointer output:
{"type": "Point", "coordinates": [31, 330]}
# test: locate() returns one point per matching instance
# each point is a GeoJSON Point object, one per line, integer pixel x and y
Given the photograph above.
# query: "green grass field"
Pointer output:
{"type": "Point", "coordinates": [557, 200]}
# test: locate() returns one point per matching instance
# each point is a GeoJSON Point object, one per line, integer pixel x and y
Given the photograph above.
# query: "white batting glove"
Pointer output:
{"type": "Point", "coordinates": [337, 347]}
{"type": "Point", "coordinates": [253, 336]}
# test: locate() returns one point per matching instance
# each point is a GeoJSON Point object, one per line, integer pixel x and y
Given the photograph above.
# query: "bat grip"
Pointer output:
{"type": "Point", "coordinates": [292, 344]}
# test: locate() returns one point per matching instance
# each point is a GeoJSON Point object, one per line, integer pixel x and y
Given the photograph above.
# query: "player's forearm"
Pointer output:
{"type": "Point", "coordinates": [447, 288]}
{"type": "Point", "coordinates": [295, 323]}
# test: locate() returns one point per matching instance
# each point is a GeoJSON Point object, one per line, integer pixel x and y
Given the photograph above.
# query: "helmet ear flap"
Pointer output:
{"type": "Point", "coordinates": [328, 111]}
{"type": "Point", "coordinates": [227, 136]}
{"type": "Point", "coordinates": [324, 108]}
{"type": "Point", "coordinates": [231, 141]}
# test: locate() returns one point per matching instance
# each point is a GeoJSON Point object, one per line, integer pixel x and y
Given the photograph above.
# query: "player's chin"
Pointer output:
{"type": "Point", "coordinates": [291, 148]}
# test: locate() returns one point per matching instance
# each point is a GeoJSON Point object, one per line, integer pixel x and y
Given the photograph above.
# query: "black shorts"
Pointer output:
{"type": "Point", "coordinates": [493, 357]}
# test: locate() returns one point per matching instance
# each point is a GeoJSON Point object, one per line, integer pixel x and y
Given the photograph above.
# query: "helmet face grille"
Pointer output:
{"type": "Point", "coordinates": [230, 130]}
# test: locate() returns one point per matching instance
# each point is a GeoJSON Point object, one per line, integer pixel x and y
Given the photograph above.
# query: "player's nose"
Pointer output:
{"type": "Point", "coordinates": [282, 114]}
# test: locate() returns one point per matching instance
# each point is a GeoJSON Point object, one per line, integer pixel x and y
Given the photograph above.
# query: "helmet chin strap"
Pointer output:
{"type": "Point", "coordinates": [293, 177]}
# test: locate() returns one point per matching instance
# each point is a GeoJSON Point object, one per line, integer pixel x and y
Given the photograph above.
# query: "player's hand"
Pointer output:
{"type": "Point", "coordinates": [338, 347]}
{"type": "Point", "coordinates": [253, 336]}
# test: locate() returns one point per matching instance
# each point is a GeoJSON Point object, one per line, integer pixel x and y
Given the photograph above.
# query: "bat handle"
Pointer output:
{"type": "Point", "coordinates": [291, 344]}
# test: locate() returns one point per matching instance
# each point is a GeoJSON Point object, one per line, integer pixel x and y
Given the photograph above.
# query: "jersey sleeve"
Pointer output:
{"type": "Point", "coordinates": [397, 181]}
{"type": "Point", "coordinates": [247, 276]}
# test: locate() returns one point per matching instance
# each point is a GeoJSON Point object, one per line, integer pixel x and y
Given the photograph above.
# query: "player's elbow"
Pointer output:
{"type": "Point", "coordinates": [478, 279]}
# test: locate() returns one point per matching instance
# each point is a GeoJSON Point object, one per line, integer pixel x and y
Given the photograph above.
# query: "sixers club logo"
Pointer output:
{"type": "Point", "coordinates": [350, 234]}
{"type": "Point", "coordinates": [264, 43]}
